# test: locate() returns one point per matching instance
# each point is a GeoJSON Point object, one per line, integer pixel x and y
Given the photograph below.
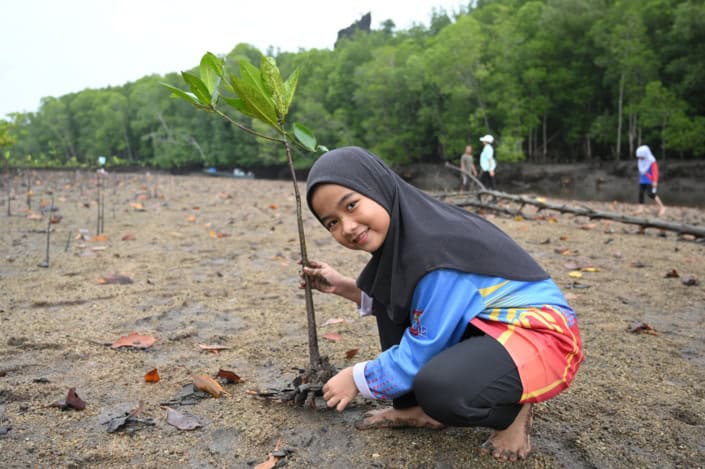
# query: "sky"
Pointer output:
{"type": "Point", "coordinates": [52, 47]}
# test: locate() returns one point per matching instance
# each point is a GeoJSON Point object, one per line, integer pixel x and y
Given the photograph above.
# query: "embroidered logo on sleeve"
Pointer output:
{"type": "Point", "coordinates": [417, 329]}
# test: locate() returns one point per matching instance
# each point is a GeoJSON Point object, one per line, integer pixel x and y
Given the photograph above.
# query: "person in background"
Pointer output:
{"type": "Point", "coordinates": [487, 162]}
{"type": "Point", "coordinates": [473, 330]}
{"type": "Point", "coordinates": [467, 165]}
{"type": "Point", "coordinates": [648, 177]}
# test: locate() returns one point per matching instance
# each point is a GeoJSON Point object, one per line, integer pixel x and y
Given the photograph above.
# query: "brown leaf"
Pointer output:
{"type": "Point", "coordinates": [137, 206]}
{"type": "Point", "coordinates": [351, 353]}
{"type": "Point", "coordinates": [217, 234]}
{"type": "Point", "coordinates": [332, 321]}
{"type": "Point", "coordinates": [72, 401]}
{"type": "Point", "coordinates": [332, 336]}
{"type": "Point", "coordinates": [182, 421]}
{"type": "Point", "coordinates": [55, 219]}
{"type": "Point", "coordinates": [271, 459]}
{"type": "Point", "coordinates": [114, 279]}
{"type": "Point", "coordinates": [191, 218]}
{"type": "Point", "coordinates": [228, 376]}
{"type": "Point", "coordinates": [643, 328]}
{"type": "Point", "coordinates": [152, 376]}
{"type": "Point", "coordinates": [588, 226]}
{"type": "Point", "coordinates": [673, 273]}
{"type": "Point", "coordinates": [129, 237]}
{"type": "Point", "coordinates": [207, 384]}
{"type": "Point", "coordinates": [100, 238]}
{"type": "Point", "coordinates": [134, 339]}
{"type": "Point", "coordinates": [34, 216]}
{"type": "Point", "coordinates": [563, 251]}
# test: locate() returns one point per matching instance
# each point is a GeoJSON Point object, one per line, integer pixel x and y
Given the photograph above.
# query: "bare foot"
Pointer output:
{"type": "Point", "coordinates": [513, 442]}
{"type": "Point", "coordinates": [397, 418]}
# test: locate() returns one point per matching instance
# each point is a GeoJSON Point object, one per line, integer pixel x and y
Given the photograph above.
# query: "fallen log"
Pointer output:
{"type": "Point", "coordinates": [475, 200]}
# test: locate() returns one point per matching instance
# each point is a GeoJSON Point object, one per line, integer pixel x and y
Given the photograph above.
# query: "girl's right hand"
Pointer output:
{"type": "Point", "coordinates": [322, 277]}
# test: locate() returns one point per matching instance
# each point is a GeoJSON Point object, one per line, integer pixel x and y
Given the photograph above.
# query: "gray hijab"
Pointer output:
{"type": "Point", "coordinates": [425, 234]}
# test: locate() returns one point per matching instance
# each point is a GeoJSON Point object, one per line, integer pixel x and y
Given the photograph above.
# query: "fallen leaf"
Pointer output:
{"type": "Point", "coordinates": [228, 376]}
{"type": "Point", "coordinates": [563, 238]}
{"type": "Point", "coordinates": [137, 206]}
{"type": "Point", "coordinates": [72, 401]}
{"type": "Point", "coordinates": [589, 269]}
{"type": "Point", "coordinates": [182, 421]}
{"type": "Point", "coordinates": [273, 457]}
{"type": "Point", "coordinates": [575, 274]}
{"type": "Point", "coordinates": [34, 216]}
{"type": "Point", "coordinates": [217, 234]}
{"type": "Point", "coordinates": [552, 220]}
{"type": "Point", "coordinates": [207, 384]}
{"type": "Point", "coordinates": [673, 273]}
{"type": "Point", "coordinates": [332, 336]}
{"type": "Point", "coordinates": [563, 251]}
{"type": "Point", "coordinates": [643, 328]}
{"type": "Point", "coordinates": [332, 321]}
{"type": "Point", "coordinates": [152, 376]}
{"type": "Point", "coordinates": [55, 219]}
{"type": "Point", "coordinates": [128, 419]}
{"type": "Point", "coordinates": [588, 226]}
{"type": "Point", "coordinates": [191, 218]}
{"type": "Point", "coordinates": [134, 339]}
{"type": "Point", "coordinates": [129, 237]}
{"type": "Point", "coordinates": [100, 238]}
{"type": "Point", "coordinates": [114, 279]}
{"type": "Point", "coordinates": [351, 353]}
{"type": "Point", "coordinates": [273, 206]}
{"type": "Point", "coordinates": [518, 218]}
{"type": "Point", "coordinates": [213, 348]}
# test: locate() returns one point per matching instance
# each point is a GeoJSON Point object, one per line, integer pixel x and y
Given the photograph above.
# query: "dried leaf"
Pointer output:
{"type": "Point", "coordinates": [643, 328]}
{"type": "Point", "coordinates": [134, 339]}
{"type": "Point", "coordinates": [114, 279]}
{"type": "Point", "coordinates": [191, 218]}
{"type": "Point", "coordinates": [332, 336]}
{"type": "Point", "coordinates": [129, 237]}
{"type": "Point", "coordinates": [589, 269]}
{"type": "Point", "coordinates": [518, 218]}
{"type": "Point", "coordinates": [563, 251]}
{"type": "Point", "coordinates": [332, 321]}
{"type": "Point", "coordinates": [152, 376]}
{"type": "Point", "coordinates": [182, 421]}
{"type": "Point", "coordinates": [673, 273]}
{"type": "Point", "coordinates": [273, 457]}
{"type": "Point", "coordinates": [589, 226]}
{"type": "Point", "coordinates": [228, 376]}
{"type": "Point", "coordinates": [100, 238]}
{"type": "Point", "coordinates": [55, 219]}
{"type": "Point", "coordinates": [213, 348]}
{"type": "Point", "coordinates": [351, 353]}
{"type": "Point", "coordinates": [273, 206]}
{"type": "Point", "coordinates": [137, 206]}
{"type": "Point", "coordinates": [217, 234]}
{"type": "Point", "coordinates": [575, 274]}
{"type": "Point", "coordinates": [207, 384]}
{"type": "Point", "coordinates": [34, 216]}
{"type": "Point", "coordinates": [72, 401]}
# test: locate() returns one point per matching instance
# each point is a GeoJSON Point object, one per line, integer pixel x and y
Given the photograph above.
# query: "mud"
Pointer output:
{"type": "Point", "coordinates": [214, 261]}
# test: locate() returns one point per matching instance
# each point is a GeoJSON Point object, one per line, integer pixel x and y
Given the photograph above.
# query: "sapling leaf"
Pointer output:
{"type": "Point", "coordinates": [290, 87]}
{"type": "Point", "coordinates": [199, 89]}
{"type": "Point", "coordinates": [211, 68]}
{"type": "Point", "coordinates": [185, 95]}
{"type": "Point", "coordinates": [258, 104]}
{"type": "Point", "coordinates": [305, 137]}
{"type": "Point", "coordinates": [272, 79]}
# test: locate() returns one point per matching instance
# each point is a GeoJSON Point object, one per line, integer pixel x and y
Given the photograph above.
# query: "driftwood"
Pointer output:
{"type": "Point", "coordinates": [475, 200]}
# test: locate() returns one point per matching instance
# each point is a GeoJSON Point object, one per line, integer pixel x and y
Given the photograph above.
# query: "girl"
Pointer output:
{"type": "Point", "coordinates": [648, 177]}
{"type": "Point", "coordinates": [473, 331]}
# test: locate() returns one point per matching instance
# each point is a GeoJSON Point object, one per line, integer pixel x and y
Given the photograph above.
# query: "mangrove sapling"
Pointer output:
{"type": "Point", "coordinates": [262, 94]}
{"type": "Point", "coordinates": [45, 262]}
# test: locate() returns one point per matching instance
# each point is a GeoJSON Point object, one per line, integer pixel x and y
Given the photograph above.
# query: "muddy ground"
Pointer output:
{"type": "Point", "coordinates": [213, 261]}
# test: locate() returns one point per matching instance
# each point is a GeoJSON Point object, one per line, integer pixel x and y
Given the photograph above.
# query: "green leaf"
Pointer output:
{"type": "Point", "coordinates": [179, 93]}
{"type": "Point", "coordinates": [258, 104]}
{"type": "Point", "coordinates": [290, 87]}
{"type": "Point", "coordinates": [240, 105]}
{"type": "Point", "coordinates": [198, 88]}
{"type": "Point", "coordinates": [305, 137]}
{"type": "Point", "coordinates": [211, 69]}
{"type": "Point", "coordinates": [272, 78]}
{"type": "Point", "coordinates": [251, 74]}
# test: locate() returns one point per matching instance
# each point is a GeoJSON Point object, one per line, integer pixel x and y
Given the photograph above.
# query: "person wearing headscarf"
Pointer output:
{"type": "Point", "coordinates": [648, 177]}
{"type": "Point", "coordinates": [488, 164]}
{"type": "Point", "coordinates": [473, 331]}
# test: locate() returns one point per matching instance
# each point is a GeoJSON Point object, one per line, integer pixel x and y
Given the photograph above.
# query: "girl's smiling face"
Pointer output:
{"type": "Point", "coordinates": [355, 221]}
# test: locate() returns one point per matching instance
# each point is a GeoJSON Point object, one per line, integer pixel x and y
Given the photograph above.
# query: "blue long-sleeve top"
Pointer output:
{"type": "Point", "coordinates": [443, 304]}
{"type": "Point", "coordinates": [487, 162]}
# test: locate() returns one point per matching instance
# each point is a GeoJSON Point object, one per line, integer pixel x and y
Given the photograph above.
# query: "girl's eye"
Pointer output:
{"type": "Point", "coordinates": [330, 225]}
{"type": "Point", "coordinates": [351, 205]}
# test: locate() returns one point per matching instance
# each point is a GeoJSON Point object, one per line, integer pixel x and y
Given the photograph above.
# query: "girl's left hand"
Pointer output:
{"type": "Point", "coordinates": [340, 390]}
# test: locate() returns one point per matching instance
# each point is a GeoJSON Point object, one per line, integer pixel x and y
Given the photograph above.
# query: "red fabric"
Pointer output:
{"type": "Point", "coordinates": [654, 173]}
{"type": "Point", "coordinates": [545, 348]}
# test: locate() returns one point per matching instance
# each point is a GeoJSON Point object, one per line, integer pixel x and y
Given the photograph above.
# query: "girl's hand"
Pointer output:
{"type": "Point", "coordinates": [322, 277]}
{"type": "Point", "coordinates": [340, 390]}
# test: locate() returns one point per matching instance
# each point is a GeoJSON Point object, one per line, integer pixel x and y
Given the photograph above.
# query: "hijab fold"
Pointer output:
{"type": "Point", "coordinates": [424, 234]}
{"type": "Point", "coordinates": [645, 158]}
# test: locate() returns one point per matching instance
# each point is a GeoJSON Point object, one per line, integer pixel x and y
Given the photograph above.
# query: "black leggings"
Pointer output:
{"type": "Point", "coordinates": [473, 383]}
{"type": "Point", "coordinates": [648, 189]}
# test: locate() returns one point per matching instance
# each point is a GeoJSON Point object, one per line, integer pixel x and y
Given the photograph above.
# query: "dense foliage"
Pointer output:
{"type": "Point", "coordinates": [553, 80]}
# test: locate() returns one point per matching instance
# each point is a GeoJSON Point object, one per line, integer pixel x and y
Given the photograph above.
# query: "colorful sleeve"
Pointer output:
{"type": "Point", "coordinates": [443, 304]}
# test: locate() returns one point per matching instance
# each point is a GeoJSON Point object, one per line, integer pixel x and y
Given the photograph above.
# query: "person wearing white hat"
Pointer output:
{"type": "Point", "coordinates": [648, 177]}
{"type": "Point", "coordinates": [487, 162]}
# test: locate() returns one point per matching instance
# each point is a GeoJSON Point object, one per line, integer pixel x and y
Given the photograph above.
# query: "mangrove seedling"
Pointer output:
{"type": "Point", "coordinates": [263, 95]}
